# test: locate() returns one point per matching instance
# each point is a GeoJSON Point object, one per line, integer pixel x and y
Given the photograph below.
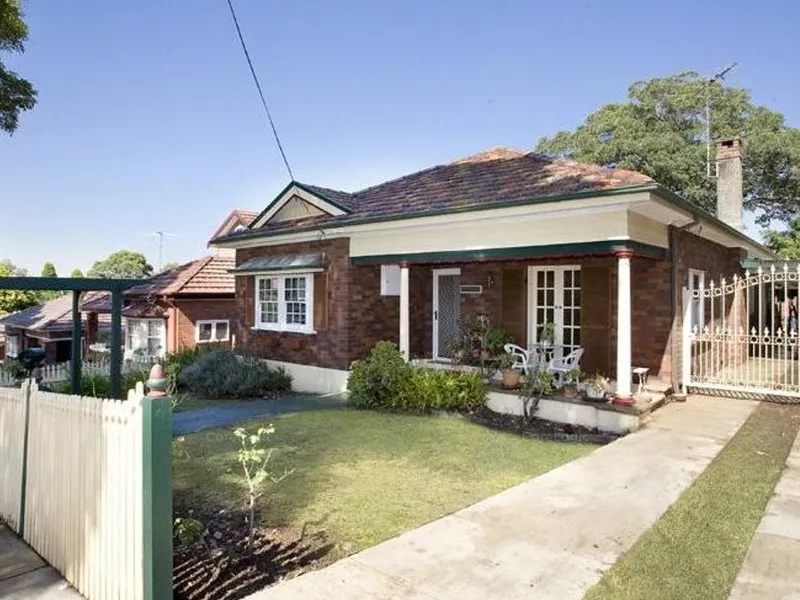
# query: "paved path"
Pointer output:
{"type": "Point", "coordinates": [552, 537]}
{"type": "Point", "coordinates": [25, 576]}
{"type": "Point", "coordinates": [234, 412]}
{"type": "Point", "coordinates": [771, 568]}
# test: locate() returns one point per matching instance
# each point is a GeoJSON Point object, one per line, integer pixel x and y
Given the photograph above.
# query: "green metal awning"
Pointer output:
{"type": "Point", "coordinates": [272, 264]}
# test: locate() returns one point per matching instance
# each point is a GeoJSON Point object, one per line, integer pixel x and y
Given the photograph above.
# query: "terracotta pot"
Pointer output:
{"type": "Point", "coordinates": [571, 390]}
{"type": "Point", "coordinates": [510, 378]}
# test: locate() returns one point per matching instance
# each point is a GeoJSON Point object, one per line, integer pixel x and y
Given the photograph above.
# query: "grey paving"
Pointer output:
{"type": "Point", "coordinates": [235, 411]}
{"type": "Point", "coordinates": [25, 576]}
{"type": "Point", "coordinates": [771, 568]}
{"type": "Point", "coordinates": [552, 537]}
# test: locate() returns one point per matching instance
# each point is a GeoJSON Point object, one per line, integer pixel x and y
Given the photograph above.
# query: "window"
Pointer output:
{"type": "Point", "coordinates": [285, 303]}
{"type": "Point", "coordinates": [211, 331]}
{"type": "Point", "coordinates": [697, 282]}
{"type": "Point", "coordinates": [145, 337]}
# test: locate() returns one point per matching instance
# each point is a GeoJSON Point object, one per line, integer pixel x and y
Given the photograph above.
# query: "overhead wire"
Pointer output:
{"type": "Point", "coordinates": [260, 90]}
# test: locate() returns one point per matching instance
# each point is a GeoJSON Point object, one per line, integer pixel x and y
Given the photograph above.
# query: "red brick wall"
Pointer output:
{"type": "Point", "coordinates": [189, 311]}
{"type": "Point", "coordinates": [329, 347]}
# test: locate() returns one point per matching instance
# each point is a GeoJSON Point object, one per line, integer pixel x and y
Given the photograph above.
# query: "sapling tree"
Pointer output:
{"type": "Point", "coordinates": [254, 456]}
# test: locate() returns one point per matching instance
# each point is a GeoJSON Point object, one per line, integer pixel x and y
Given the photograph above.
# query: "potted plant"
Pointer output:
{"type": "Point", "coordinates": [547, 336]}
{"type": "Point", "coordinates": [572, 381]}
{"type": "Point", "coordinates": [595, 387]}
{"type": "Point", "coordinates": [509, 373]}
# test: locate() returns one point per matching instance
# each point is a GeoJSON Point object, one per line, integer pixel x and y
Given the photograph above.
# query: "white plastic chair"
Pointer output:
{"type": "Point", "coordinates": [523, 360]}
{"type": "Point", "coordinates": [559, 367]}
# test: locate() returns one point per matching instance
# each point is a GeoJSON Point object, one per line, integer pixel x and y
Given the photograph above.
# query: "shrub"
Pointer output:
{"type": "Point", "coordinates": [378, 381]}
{"type": "Point", "coordinates": [224, 374]}
{"type": "Point", "coordinates": [443, 390]}
{"type": "Point", "coordinates": [385, 381]}
{"type": "Point", "coordinates": [99, 386]}
{"type": "Point", "coordinates": [175, 362]}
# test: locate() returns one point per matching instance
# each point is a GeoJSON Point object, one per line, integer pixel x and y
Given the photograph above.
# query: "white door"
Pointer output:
{"type": "Point", "coordinates": [554, 296]}
{"type": "Point", "coordinates": [446, 310]}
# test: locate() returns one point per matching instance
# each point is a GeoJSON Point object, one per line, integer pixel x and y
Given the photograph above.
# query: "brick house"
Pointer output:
{"type": "Point", "coordinates": [191, 304]}
{"type": "Point", "coordinates": [601, 254]}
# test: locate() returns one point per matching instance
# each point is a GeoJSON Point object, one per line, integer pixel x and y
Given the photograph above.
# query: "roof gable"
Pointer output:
{"type": "Point", "coordinates": [300, 201]}
{"type": "Point", "coordinates": [237, 220]}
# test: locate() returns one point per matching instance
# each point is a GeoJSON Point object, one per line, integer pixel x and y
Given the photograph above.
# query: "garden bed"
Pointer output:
{"type": "Point", "coordinates": [539, 428]}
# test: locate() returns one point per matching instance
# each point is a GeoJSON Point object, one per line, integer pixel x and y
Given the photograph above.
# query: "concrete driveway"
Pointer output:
{"type": "Point", "coordinates": [237, 411]}
{"type": "Point", "coordinates": [552, 537]}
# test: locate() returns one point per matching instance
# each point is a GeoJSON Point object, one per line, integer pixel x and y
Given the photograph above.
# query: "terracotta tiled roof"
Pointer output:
{"type": "Point", "coordinates": [237, 217]}
{"type": "Point", "coordinates": [499, 175]}
{"type": "Point", "coordinates": [207, 275]}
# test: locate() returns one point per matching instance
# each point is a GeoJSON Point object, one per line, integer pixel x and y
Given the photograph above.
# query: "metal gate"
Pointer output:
{"type": "Point", "coordinates": [740, 336]}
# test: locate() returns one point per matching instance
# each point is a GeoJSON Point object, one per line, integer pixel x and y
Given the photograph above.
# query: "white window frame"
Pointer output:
{"type": "Point", "coordinates": [698, 304]}
{"type": "Point", "coordinates": [130, 350]}
{"type": "Point", "coordinates": [214, 323]}
{"type": "Point", "coordinates": [282, 325]}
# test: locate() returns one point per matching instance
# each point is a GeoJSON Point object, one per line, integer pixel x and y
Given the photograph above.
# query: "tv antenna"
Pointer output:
{"type": "Point", "coordinates": [718, 76]}
{"type": "Point", "coordinates": [161, 235]}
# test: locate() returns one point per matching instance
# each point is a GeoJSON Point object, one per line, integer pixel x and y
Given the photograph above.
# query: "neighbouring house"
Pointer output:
{"type": "Point", "coordinates": [602, 255]}
{"type": "Point", "coordinates": [189, 305]}
{"type": "Point", "coordinates": [49, 326]}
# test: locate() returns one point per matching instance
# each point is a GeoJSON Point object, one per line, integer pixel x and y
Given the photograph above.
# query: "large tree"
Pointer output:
{"type": "Point", "coordinates": [660, 131]}
{"type": "Point", "coordinates": [123, 264]}
{"type": "Point", "coordinates": [16, 94]}
{"type": "Point", "coordinates": [14, 300]}
{"type": "Point", "coordinates": [786, 243]}
{"type": "Point", "coordinates": [76, 274]}
{"type": "Point", "coordinates": [49, 270]}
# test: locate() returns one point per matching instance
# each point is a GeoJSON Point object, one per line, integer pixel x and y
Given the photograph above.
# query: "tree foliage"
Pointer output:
{"type": "Point", "coordinates": [14, 300]}
{"type": "Point", "coordinates": [16, 94]}
{"type": "Point", "coordinates": [660, 131]}
{"type": "Point", "coordinates": [49, 270]}
{"type": "Point", "coordinates": [123, 264]}
{"type": "Point", "coordinates": [76, 274]}
{"type": "Point", "coordinates": [168, 267]}
{"type": "Point", "coordinates": [786, 243]}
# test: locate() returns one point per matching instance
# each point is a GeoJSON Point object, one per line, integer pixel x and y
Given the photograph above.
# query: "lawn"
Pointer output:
{"type": "Point", "coordinates": [187, 402]}
{"type": "Point", "coordinates": [696, 549]}
{"type": "Point", "coordinates": [362, 477]}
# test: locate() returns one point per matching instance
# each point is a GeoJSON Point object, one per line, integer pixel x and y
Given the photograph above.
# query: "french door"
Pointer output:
{"type": "Point", "coordinates": [446, 310]}
{"type": "Point", "coordinates": [554, 298]}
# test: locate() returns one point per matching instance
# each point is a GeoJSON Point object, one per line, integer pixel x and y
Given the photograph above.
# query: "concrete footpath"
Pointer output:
{"type": "Point", "coordinates": [771, 568]}
{"type": "Point", "coordinates": [552, 537]}
{"type": "Point", "coordinates": [25, 576]}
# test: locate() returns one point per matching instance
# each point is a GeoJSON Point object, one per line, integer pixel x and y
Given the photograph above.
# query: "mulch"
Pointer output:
{"type": "Point", "coordinates": [539, 428]}
{"type": "Point", "coordinates": [223, 568]}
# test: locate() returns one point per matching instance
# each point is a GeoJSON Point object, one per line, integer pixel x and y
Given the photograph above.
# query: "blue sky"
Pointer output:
{"type": "Point", "coordinates": [148, 119]}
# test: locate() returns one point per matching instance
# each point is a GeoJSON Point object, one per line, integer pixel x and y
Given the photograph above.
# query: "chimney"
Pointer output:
{"type": "Point", "coordinates": [729, 182]}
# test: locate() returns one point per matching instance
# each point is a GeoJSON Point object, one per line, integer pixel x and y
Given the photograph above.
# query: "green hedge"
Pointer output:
{"type": "Point", "coordinates": [385, 381]}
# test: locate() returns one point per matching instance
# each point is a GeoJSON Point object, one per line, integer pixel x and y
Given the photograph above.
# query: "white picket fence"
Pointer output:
{"type": "Point", "coordinates": [76, 491]}
{"type": "Point", "coordinates": [61, 371]}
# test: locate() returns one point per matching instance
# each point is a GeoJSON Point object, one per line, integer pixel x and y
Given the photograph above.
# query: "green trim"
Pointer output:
{"type": "Point", "coordinates": [67, 284]}
{"type": "Point", "coordinates": [435, 213]}
{"type": "Point", "coordinates": [522, 252]}
{"type": "Point", "coordinates": [307, 191]}
{"type": "Point", "coordinates": [157, 497]}
{"type": "Point", "coordinates": [115, 368]}
{"type": "Point", "coordinates": [26, 388]}
{"type": "Point", "coordinates": [77, 331]}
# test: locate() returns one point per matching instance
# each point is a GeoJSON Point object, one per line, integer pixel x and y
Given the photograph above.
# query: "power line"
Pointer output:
{"type": "Point", "coordinates": [260, 91]}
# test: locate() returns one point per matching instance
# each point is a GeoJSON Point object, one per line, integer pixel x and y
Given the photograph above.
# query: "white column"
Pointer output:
{"type": "Point", "coordinates": [623, 327]}
{"type": "Point", "coordinates": [404, 312]}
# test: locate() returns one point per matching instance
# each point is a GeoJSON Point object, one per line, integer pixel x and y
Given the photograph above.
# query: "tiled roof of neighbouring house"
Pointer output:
{"type": "Point", "coordinates": [237, 217]}
{"type": "Point", "coordinates": [500, 175]}
{"type": "Point", "coordinates": [207, 275]}
{"type": "Point", "coordinates": [54, 314]}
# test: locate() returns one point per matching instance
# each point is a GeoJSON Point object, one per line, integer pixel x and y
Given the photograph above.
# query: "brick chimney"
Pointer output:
{"type": "Point", "coordinates": [729, 182]}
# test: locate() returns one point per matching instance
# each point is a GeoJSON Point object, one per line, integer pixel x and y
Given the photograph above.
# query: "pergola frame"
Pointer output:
{"type": "Point", "coordinates": [76, 286]}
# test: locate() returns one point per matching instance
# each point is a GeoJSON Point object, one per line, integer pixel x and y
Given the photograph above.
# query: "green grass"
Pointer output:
{"type": "Point", "coordinates": [185, 403]}
{"type": "Point", "coordinates": [696, 549]}
{"type": "Point", "coordinates": [362, 477]}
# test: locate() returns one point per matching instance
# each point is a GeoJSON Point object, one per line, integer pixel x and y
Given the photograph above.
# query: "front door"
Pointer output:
{"type": "Point", "coordinates": [554, 296]}
{"type": "Point", "coordinates": [446, 310]}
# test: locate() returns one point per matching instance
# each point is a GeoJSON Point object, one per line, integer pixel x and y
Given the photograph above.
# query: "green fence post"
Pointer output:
{"type": "Point", "coordinates": [157, 488]}
{"type": "Point", "coordinates": [77, 355]}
